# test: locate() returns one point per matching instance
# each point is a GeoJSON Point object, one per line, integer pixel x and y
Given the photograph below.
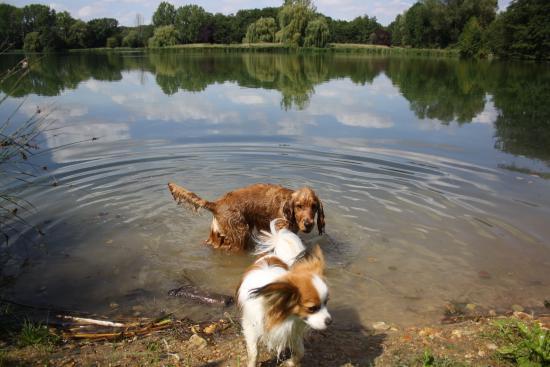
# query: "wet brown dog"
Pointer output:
{"type": "Point", "coordinates": [239, 212]}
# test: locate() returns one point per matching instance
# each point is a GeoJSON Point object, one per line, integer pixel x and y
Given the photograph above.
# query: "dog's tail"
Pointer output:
{"type": "Point", "coordinates": [183, 196]}
{"type": "Point", "coordinates": [267, 241]}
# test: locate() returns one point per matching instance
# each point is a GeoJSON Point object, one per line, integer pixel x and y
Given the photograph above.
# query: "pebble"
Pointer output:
{"type": "Point", "coordinates": [491, 346]}
{"type": "Point", "coordinates": [481, 353]}
{"type": "Point", "coordinates": [210, 329]}
{"type": "Point", "coordinates": [471, 306]}
{"type": "Point", "coordinates": [380, 326]}
{"type": "Point", "coordinates": [522, 315]}
{"type": "Point", "coordinates": [517, 308]}
{"type": "Point", "coordinates": [197, 341]}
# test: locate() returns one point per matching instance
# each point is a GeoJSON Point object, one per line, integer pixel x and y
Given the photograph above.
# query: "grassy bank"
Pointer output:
{"type": "Point", "coordinates": [277, 47]}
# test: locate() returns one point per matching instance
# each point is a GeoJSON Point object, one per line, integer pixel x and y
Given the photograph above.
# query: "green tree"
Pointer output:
{"type": "Point", "coordinates": [262, 30]}
{"type": "Point", "coordinates": [63, 23]}
{"type": "Point", "coordinates": [523, 30]}
{"type": "Point", "coordinates": [223, 28]}
{"type": "Point", "coordinates": [189, 22]}
{"type": "Point", "coordinates": [10, 25]}
{"type": "Point", "coordinates": [470, 43]}
{"type": "Point", "coordinates": [164, 15]}
{"type": "Point", "coordinates": [243, 18]}
{"type": "Point", "coordinates": [317, 33]}
{"type": "Point", "coordinates": [293, 20]}
{"type": "Point", "coordinates": [37, 18]}
{"type": "Point", "coordinates": [78, 35]}
{"type": "Point", "coordinates": [132, 39]}
{"type": "Point", "coordinates": [32, 42]}
{"type": "Point", "coordinates": [100, 29]}
{"type": "Point", "coordinates": [112, 42]}
{"type": "Point", "coordinates": [164, 36]}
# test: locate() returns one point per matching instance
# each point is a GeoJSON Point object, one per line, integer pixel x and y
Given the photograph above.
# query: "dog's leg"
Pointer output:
{"type": "Point", "coordinates": [236, 231]}
{"type": "Point", "coordinates": [251, 336]}
{"type": "Point", "coordinates": [297, 350]}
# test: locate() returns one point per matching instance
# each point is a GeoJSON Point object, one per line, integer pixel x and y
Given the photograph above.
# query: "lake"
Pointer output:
{"type": "Point", "coordinates": [434, 174]}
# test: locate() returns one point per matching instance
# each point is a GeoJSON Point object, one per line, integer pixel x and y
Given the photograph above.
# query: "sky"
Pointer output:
{"type": "Point", "coordinates": [125, 10]}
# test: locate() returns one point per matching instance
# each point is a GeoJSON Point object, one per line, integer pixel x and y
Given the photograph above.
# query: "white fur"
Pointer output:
{"type": "Point", "coordinates": [289, 333]}
{"type": "Point", "coordinates": [283, 243]}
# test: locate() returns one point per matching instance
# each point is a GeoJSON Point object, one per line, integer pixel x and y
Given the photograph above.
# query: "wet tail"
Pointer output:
{"type": "Point", "coordinates": [184, 196]}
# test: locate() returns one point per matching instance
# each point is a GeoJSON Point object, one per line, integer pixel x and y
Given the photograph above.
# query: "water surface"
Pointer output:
{"type": "Point", "coordinates": [433, 173]}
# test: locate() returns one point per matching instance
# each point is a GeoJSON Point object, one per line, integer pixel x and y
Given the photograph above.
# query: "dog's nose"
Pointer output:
{"type": "Point", "coordinates": [308, 223]}
{"type": "Point", "coordinates": [328, 321]}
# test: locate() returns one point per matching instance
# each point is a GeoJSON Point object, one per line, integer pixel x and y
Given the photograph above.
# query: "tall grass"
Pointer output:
{"type": "Point", "coordinates": [18, 144]}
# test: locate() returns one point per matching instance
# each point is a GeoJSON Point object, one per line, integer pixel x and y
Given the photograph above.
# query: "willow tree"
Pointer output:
{"type": "Point", "coordinates": [317, 33]}
{"type": "Point", "coordinates": [262, 30]}
{"type": "Point", "coordinates": [293, 20]}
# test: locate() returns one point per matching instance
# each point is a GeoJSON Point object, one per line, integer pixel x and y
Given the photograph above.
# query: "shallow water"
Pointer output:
{"type": "Point", "coordinates": [431, 173]}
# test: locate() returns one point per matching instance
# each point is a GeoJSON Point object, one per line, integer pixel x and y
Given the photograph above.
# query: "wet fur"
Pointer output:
{"type": "Point", "coordinates": [239, 212]}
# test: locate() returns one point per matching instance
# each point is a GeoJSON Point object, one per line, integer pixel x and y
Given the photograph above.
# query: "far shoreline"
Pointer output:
{"type": "Point", "coordinates": [349, 48]}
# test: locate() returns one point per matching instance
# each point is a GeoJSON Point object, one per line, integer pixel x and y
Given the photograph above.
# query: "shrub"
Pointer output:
{"type": "Point", "coordinates": [164, 36]}
{"type": "Point", "coordinates": [32, 42]}
{"type": "Point", "coordinates": [132, 39]}
{"type": "Point", "coordinates": [112, 42]}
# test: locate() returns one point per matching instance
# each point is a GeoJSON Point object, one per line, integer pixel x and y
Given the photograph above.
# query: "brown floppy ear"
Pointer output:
{"type": "Point", "coordinates": [288, 211]}
{"type": "Point", "coordinates": [320, 218]}
{"type": "Point", "coordinates": [281, 298]}
{"type": "Point", "coordinates": [312, 261]}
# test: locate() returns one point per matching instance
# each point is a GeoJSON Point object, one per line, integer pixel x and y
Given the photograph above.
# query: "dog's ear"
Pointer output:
{"type": "Point", "coordinates": [288, 211]}
{"type": "Point", "coordinates": [320, 217]}
{"type": "Point", "coordinates": [312, 261]}
{"type": "Point", "coordinates": [281, 298]}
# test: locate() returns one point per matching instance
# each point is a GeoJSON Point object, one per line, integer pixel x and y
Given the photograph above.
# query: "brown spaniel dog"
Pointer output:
{"type": "Point", "coordinates": [239, 212]}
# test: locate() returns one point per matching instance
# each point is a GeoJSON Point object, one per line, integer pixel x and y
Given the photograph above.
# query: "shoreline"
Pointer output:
{"type": "Point", "coordinates": [340, 48]}
{"type": "Point", "coordinates": [467, 342]}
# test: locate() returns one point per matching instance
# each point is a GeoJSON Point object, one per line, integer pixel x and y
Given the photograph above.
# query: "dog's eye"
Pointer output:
{"type": "Point", "coordinates": [313, 309]}
{"type": "Point", "coordinates": [299, 206]}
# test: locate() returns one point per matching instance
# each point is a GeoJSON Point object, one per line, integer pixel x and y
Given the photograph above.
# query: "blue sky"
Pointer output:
{"type": "Point", "coordinates": [125, 10]}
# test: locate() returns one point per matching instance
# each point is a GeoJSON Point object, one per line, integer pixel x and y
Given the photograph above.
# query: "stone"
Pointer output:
{"type": "Point", "coordinates": [517, 308]}
{"type": "Point", "coordinates": [491, 346]}
{"type": "Point", "coordinates": [210, 329]}
{"type": "Point", "coordinates": [198, 342]}
{"type": "Point", "coordinates": [522, 315]}
{"type": "Point", "coordinates": [471, 306]}
{"type": "Point", "coordinates": [380, 326]}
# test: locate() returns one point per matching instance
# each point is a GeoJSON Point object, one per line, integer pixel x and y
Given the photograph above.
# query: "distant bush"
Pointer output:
{"type": "Point", "coordinates": [132, 39]}
{"type": "Point", "coordinates": [164, 36]}
{"type": "Point", "coordinates": [470, 42]}
{"type": "Point", "coordinates": [262, 30]}
{"type": "Point", "coordinates": [112, 42]}
{"type": "Point", "coordinates": [32, 42]}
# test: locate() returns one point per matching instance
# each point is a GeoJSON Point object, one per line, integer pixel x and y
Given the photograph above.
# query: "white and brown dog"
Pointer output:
{"type": "Point", "coordinates": [282, 294]}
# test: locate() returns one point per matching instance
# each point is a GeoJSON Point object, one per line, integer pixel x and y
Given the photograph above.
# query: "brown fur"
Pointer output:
{"type": "Point", "coordinates": [295, 293]}
{"type": "Point", "coordinates": [238, 212]}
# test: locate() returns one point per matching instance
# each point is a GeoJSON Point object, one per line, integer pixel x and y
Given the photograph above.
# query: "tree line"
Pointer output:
{"type": "Point", "coordinates": [474, 27]}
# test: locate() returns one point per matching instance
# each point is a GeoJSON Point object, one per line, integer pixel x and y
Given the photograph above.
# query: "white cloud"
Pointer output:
{"type": "Point", "coordinates": [247, 99]}
{"type": "Point", "coordinates": [488, 115]}
{"type": "Point", "coordinates": [364, 119]}
{"type": "Point", "coordinates": [86, 11]}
